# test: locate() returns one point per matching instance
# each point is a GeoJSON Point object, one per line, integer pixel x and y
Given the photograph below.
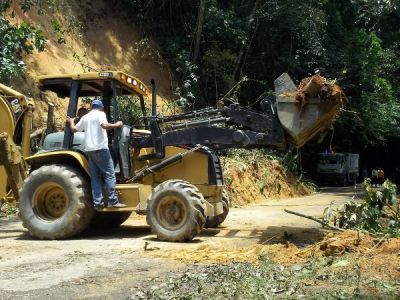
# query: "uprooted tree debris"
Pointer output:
{"type": "Point", "coordinates": [378, 214]}
{"type": "Point", "coordinates": [321, 88]}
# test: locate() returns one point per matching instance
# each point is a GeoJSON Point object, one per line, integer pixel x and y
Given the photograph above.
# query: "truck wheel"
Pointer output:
{"type": "Point", "coordinates": [109, 220]}
{"type": "Point", "coordinates": [176, 211]}
{"type": "Point", "coordinates": [55, 202]}
{"type": "Point", "coordinates": [215, 221]}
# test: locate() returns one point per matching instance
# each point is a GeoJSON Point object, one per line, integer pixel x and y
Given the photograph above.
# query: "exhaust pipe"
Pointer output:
{"type": "Point", "coordinates": [153, 98]}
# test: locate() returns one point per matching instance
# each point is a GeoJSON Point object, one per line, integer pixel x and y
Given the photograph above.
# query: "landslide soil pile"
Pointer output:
{"type": "Point", "coordinates": [251, 177]}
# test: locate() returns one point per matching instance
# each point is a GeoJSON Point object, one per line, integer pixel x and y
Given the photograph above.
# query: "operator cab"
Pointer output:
{"type": "Point", "coordinates": [114, 88]}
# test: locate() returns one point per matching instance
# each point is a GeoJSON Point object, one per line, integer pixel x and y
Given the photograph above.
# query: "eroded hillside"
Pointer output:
{"type": "Point", "coordinates": [86, 36]}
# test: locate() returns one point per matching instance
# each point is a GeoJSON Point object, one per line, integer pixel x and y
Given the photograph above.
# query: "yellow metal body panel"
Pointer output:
{"type": "Point", "coordinates": [192, 168]}
{"type": "Point", "coordinates": [133, 194]}
{"type": "Point", "coordinates": [23, 101]}
{"type": "Point", "coordinates": [7, 91]}
{"type": "Point", "coordinates": [7, 124]}
{"type": "Point", "coordinates": [7, 119]}
{"type": "Point", "coordinates": [57, 157]}
{"type": "Point", "coordinates": [129, 81]}
{"type": "Point", "coordinates": [3, 183]}
{"type": "Point", "coordinates": [22, 106]}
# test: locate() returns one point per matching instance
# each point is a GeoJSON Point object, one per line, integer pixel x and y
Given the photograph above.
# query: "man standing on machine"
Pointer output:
{"type": "Point", "coordinates": [101, 165]}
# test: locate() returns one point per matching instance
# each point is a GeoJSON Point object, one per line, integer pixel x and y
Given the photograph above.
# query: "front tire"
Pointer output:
{"type": "Point", "coordinates": [55, 202]}
{"type": "Point", "coordinates": [215, 221]}
{"type": "Point", "coordinates": [176, 211]}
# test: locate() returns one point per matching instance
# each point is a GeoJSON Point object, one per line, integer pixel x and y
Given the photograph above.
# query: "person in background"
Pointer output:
{"type": "Point", "coordinates": [374, 177]}
{"type": "Point", "coordinates": [81, 112]}
{"type": "Point", "coordinates": [101, 165]}
{"type": "Point", "coordinates": [381, 176]}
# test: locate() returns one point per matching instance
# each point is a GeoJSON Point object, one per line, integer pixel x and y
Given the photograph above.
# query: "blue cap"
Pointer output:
{"type": "Point", "coordinates": [97, 104]}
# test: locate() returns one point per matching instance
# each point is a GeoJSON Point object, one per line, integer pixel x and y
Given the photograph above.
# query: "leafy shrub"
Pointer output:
{"type": "Point", "coordinates": [16, 41]}
{"type": "Point", "coordinates": [378, 213]}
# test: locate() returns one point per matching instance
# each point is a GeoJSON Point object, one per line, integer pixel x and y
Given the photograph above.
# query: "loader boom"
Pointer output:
{"type": "Point", "coordinates": [284, 120]}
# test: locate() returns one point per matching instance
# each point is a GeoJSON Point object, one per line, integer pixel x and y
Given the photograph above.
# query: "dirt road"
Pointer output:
{"type": "Point", "coordinates": [112, 264]}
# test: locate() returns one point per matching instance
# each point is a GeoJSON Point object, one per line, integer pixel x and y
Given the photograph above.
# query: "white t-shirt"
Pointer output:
{"type": "Point", "coordinates": [95, 136]}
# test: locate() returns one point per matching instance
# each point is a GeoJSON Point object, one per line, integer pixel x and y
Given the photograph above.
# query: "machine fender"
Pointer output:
{"type": "Point", "coordinates": [60, 156]}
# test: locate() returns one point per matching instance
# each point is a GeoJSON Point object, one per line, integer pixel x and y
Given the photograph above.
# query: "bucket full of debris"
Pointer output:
{"type": "Point", "coordinates": [307, 109]}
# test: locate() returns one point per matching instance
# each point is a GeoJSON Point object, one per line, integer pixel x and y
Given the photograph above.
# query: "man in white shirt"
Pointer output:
{"type": "Point", "coordinates": [101, 165]}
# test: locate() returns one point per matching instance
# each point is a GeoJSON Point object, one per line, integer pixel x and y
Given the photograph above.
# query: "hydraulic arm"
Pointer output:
{"type": "Point", "coordinates": [293, 116]}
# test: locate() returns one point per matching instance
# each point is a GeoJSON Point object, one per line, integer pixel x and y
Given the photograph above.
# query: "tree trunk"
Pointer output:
{"type": "Point", "coordinates": [246, 46]}
{"type": "Point", "coordinates": [199, 29]}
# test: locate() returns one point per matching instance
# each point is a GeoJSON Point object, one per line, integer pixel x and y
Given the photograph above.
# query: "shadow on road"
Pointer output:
{"type": "Point", "coordinates": [299, 236]}
{"type": "Point", "coordinates": [342, 191]}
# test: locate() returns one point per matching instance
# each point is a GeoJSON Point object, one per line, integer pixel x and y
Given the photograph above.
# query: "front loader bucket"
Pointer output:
{"type": "Point", "coordinates": [308, 109]}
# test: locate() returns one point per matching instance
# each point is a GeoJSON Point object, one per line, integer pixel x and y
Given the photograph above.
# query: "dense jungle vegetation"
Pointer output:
{"type": "Point", "coordinates": [235, 49]}
{"type": "Point", "coordinates": [222, 51]}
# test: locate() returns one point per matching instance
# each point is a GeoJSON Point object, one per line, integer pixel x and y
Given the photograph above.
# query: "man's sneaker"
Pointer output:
{"type": "Point", "coordinates": [116, 205]}
{"type": "Point", "coordinates": [99, 206]}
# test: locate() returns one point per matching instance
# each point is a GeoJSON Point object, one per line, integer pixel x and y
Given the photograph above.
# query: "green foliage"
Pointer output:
{"type": "Point", "coordinates": [130, 112]}
{"type": "Point", "coordinates": [378, 213]}
{"type": "Point", "coordinates": [16, 40]}
{"type": "Point", "coordinates": [352, 41]}
{"type": "Point", "coordinates": [59, 31]}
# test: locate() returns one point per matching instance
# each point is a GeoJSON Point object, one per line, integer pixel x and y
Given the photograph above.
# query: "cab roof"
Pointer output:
{"type": "Point", "coordinates": [93, 83]}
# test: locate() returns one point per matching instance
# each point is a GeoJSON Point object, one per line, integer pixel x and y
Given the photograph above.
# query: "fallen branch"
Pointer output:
{"type": "Point", "coordinates": [315, 220]}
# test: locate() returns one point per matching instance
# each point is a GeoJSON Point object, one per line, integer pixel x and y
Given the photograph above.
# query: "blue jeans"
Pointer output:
{"type": "Point", "coordinates": [101, 166]}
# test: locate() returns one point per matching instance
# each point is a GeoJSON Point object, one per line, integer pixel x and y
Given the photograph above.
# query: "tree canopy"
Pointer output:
{"type": "Point", "coordinates": [240, 47]}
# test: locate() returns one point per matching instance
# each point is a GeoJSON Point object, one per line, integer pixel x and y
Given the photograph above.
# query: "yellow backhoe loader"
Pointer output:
{"type": "Point", "coordinates": [167, 169]}
{"type": "Point", "coordinates": [16, 113]}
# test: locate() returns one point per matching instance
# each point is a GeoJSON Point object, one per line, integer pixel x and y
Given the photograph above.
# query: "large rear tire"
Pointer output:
{"type": "Point", "coordinates": [55, 202]}
{"type": "Point", "coordinates": [215, 221]}
{"type": "Point", "coordinates": [176, 211]}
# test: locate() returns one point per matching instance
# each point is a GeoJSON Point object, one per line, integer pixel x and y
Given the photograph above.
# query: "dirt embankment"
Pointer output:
{"type": "Point", "coordinates": [98, 36]}
{"type": "Point", "coordinates": [251, 176]}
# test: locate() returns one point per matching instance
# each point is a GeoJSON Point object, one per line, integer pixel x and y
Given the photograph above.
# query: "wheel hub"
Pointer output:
{"type": "Point", "coordinates": [50, 201]}
{"type": "Point", "coordinates": [172, 212]}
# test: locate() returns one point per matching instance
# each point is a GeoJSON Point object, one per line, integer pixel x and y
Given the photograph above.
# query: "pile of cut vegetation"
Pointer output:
{"type": "Point", "coordinates": [321, 88]}
{"type": "Point", "coordinates": [366, 249]}
{"type": "Point", "coordinates": [254, 176]}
